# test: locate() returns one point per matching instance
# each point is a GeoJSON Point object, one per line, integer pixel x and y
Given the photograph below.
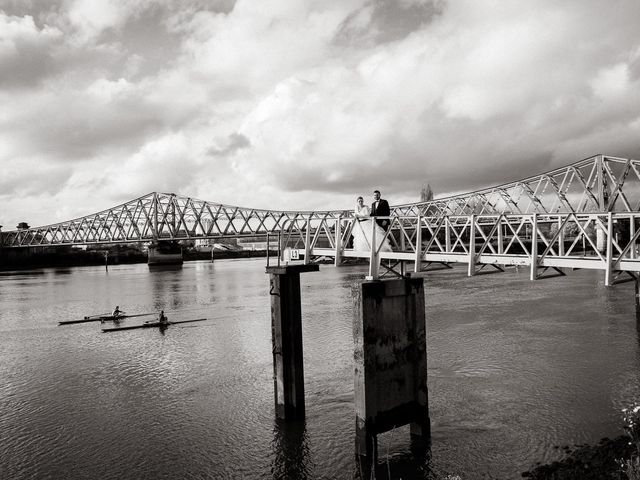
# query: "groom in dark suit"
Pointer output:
{"type": "Point", "coordinates": [380, 208]}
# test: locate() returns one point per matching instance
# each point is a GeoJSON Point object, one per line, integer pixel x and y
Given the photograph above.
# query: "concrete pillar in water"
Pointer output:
{"type": "Point", "coordinates": [286, 336]}
{"type": "Point", "coordinates": [390, 362]}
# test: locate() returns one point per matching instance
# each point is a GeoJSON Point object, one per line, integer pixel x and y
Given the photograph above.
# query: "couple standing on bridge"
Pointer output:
{"type": "Point", "coordinates": [363, 225]}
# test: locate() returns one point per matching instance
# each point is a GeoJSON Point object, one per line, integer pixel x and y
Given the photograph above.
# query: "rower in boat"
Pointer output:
{"type": "Point", "coordinates": [117, 312]}
{"type": "Point", "coordinates": [162, 320]}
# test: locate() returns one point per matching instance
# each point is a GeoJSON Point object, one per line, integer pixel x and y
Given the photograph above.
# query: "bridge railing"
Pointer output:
{"type": "Point", "coordinates": [543, 242]}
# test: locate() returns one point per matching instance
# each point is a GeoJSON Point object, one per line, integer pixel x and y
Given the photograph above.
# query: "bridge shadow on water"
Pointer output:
{"type": "Point", "coordinates": [413, 464]}
{"type": "Point", "coordinates": [165, 267]}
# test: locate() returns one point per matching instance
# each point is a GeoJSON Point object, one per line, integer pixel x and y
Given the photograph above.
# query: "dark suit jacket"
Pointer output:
{"type": "Point", "coordinates": [382, 211]}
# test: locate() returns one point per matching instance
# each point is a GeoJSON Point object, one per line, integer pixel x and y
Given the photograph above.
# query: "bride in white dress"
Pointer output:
{"type": "Point", "coordinates": [362, 229]}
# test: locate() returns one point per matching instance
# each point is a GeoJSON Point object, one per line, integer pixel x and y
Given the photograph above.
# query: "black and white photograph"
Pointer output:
{"type": "Point", "coordinates": [317, 240]}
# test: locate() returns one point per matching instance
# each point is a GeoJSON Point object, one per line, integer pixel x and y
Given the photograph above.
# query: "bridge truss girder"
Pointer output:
{"type": "Point", "coordinates": [594, 185]}
{"type": "Point", "coordinates": [599, 184]}
{"type": "Point", "coordinates": [160, 216]}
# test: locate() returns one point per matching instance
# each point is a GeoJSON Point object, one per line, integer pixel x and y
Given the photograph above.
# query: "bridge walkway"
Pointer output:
{"type": "Point", "coordinates": [546, 244]}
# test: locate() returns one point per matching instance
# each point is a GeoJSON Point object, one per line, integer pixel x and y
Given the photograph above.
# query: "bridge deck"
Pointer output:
{"type": "Point", "coordinates": [606, 242]}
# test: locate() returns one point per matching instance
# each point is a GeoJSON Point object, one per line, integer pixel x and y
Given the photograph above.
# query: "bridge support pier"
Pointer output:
{"type": "Point", "coordinates": [286, 337]}
{"type": "Point", "coordinates": [390, 363]}
{"type": "Point", "coordinates": [164, 253]}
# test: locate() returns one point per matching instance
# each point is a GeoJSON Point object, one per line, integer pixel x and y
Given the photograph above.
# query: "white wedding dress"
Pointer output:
{"type": "Point", "coordinates": [362, 231]}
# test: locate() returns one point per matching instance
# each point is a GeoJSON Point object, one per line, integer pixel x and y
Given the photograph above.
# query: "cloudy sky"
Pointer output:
{"type": "Point", "coordinates": [303, 104]}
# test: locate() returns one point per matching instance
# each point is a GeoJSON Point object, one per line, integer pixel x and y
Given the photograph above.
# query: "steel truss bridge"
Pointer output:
{"type": "Point", "coordinates": [583, 215]}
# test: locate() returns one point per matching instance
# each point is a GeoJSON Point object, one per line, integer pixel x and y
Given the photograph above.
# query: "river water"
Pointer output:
{"type": "Point", "coordinates": [515, 369]}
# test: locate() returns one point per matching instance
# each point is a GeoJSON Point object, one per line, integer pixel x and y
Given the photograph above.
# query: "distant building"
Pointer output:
{"type": "Point", "coordinates": [255, 245]}
{"type": "Point", "coordinates": [426, 193]}
{"type": "Point", "coordinates": [205, 242]}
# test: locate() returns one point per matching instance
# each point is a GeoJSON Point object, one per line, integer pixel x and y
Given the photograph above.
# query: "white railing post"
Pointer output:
{"type": "Point", "coordinates": [373, 257]}
{"type": "Point", "coordinates": [154, 218]}
{"type": "Point", "coordinates": [338, 233]}
{"type": "Point", "coordinates": [500, 236]}
{"type": "Point", "coordinates": [632, 232]}
{"type": "Point", "coordinates": [609, 257]}
{"type": "Point", "coordinates": [418, 263]}
{"type": "Point", "coordinates": [472, 247]}
{"type": "Point", "coordinates": [534, 248]}
{"type": "Point", "coordinates": [560, 237]}
{"type": "Point", "coordinates": [281, 241]}
{"type": "Point", "coordinates": [307, 242]}
{"type": "Point", "coordinates": [447, 234]}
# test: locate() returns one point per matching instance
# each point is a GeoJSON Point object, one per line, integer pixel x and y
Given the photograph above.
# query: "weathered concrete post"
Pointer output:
{"type": "Point", "coordinates": [286, 337]}
{"type": "Point", "coordinates": [390, 362]}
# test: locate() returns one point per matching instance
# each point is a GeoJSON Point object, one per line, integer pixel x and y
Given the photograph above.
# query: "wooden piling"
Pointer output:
{"type": "Point", "coordinates": [286, 336]}
{"type": "Point", "coordinates": [390, 362]}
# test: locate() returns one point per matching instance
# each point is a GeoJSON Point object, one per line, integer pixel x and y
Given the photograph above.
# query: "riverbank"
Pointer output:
{"type": "Point", "coordinates": [122, 256]}
{"type": "Point", "coordinates": [587, 462]}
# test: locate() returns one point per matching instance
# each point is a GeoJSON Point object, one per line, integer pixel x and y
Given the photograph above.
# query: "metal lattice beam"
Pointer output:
{"type": "Point", "coordinates": [596, 185]}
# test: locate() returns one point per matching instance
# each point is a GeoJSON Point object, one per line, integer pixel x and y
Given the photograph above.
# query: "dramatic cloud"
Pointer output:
{"type": "Point", "coordinates": [303, 105]}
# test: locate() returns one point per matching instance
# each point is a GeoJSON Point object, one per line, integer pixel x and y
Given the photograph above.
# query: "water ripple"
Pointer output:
{"type": "Point", "coordinates": [515, 369]}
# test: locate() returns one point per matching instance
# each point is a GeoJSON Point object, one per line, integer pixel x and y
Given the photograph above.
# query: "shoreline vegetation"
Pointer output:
{"type": "Point", "coordinates": [617, 458]}
{"type": "Point", "coordinates": [601, 461]}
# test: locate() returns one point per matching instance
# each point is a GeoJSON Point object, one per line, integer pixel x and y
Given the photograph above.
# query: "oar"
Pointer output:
{"type": "Point", "coordinates": [195, 326]}
{"type": "Point", "coordinates": [84, 320]}
{"type": "Point", "coordinates": [124, 315]}
{"type": "Point", "coordinates": [151, 325]}
{"type": "Point", "coordinates": [141, 314]}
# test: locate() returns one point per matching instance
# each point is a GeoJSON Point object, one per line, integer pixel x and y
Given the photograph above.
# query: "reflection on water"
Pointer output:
{"type": "Point", "coordinates": [165, 268]}
{"type": "Point", "coordinates": [515, 368]}
{"type": "Point", "coordinates": [291, 450]}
